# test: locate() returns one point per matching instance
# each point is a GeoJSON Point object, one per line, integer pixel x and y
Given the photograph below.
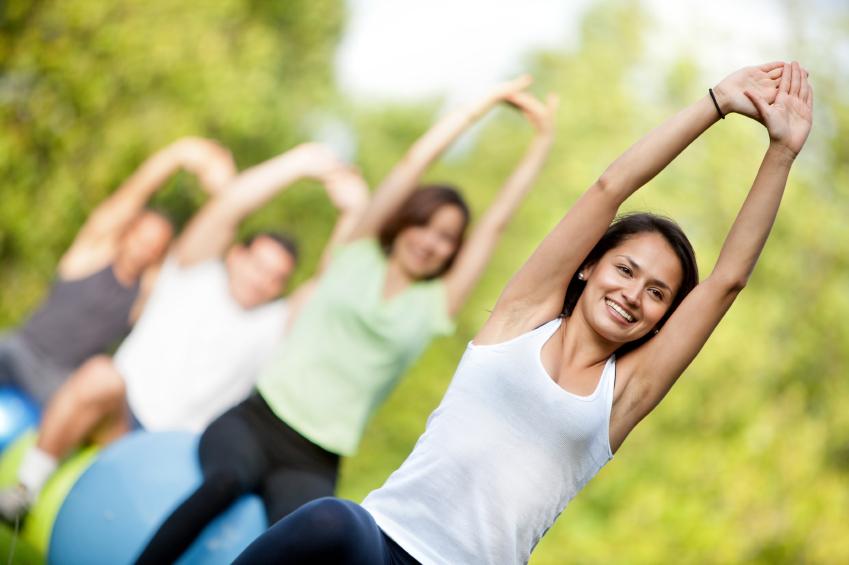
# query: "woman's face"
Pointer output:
{"type": "Point", "coordinates": [631, 287]}
{"type": "Point", "coordinates": [423, 250]}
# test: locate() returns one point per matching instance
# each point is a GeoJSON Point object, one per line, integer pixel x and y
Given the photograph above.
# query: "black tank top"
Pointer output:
{"type": "Point", "coordinates": [81, 318]}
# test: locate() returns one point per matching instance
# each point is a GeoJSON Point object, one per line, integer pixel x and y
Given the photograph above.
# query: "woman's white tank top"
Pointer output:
{"type": "Point", "coordinates": [500, 458]}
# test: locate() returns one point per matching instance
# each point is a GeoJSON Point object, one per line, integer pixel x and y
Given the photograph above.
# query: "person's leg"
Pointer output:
{"type": "Point", "coordinates": [8, 366]}
{"type": "Point", "coordinates": [286, 490]}
{"type": "Point", "coordinates": [299, 470]}
{"type": "Point", "coordinates": [93, 394]}
{"type": "Point", "coordinates": [325, 531]}
{"type": "Point", "coordinates": [117, 425]}
{"type": "Point", "coordinates": [233, 464]}
{"type": "Point", "coordinates": [28, 371]}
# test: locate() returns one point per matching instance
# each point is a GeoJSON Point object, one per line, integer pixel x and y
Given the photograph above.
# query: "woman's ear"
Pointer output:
{"type": "Point", "coordinates": [586, 272]}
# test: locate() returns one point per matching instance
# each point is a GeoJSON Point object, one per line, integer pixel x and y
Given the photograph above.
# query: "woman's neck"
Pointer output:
{"type": "Point", "coordinates": [581, 347]}
{"type": "Point", "coordinates": [397, 279]}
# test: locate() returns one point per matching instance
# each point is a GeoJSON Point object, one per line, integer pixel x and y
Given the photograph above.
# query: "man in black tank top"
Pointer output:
{"type": "Point", "coordinates": [103, 278]}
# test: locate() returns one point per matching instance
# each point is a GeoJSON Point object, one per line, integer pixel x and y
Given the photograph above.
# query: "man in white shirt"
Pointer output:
{"type": "Point", "coordinates": [211, 319]}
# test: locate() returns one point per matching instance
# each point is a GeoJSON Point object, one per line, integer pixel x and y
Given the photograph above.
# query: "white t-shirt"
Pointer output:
{"type": "Point", "coordinates": [195, 352]}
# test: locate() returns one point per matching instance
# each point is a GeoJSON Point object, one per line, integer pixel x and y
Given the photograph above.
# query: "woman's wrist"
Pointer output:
{"type": "Point", "coordinates": [723, 100]}
{"type": "Point", "coordinates": [781, 151]}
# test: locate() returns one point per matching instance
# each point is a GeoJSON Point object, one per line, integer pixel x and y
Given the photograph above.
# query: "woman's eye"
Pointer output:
{"type": "Point", "coordinates": [656, 293]}
{"type": "Point", "coordinates": [624, 269]}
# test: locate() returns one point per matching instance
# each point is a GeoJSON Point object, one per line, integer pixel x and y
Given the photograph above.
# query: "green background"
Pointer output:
{"type": "Point", "coordinates": [747, 460]}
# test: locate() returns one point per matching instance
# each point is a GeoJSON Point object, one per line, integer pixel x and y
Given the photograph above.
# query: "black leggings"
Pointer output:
{"type": "Point", "coordinates": [326, 531]}
{"type": "Point", "coordinates": [247, 449]}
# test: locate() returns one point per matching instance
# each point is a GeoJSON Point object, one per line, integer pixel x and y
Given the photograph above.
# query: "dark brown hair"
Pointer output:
{"type": "Point", "coordinates": [624, 227]}
{"type": "Point", "coordinates": [417, 210]}
{"type": "Point", "coordinates": [287, 242]}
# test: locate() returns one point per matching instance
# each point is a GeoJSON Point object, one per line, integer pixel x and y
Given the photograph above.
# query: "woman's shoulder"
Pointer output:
{"type": "Point", "coordinates": [499, 331]}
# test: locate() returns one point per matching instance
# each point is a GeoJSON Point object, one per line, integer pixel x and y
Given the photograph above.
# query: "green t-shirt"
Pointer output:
{"type": "Point", "coordinates": [349, 347]}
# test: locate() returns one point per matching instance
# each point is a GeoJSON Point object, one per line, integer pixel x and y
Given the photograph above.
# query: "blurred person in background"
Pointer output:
{"type": "Point", "coordinates": [210, 321]}
{"type": "Point", "coordinates": [400, 279]}
{"type": "Point", "coordinates": [103, 279]}
{"type": "Point", "coordinates": [583, 343]}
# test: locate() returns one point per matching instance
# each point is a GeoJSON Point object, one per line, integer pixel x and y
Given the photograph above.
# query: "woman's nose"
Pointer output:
{"type": "Point", "coordinates": [431, 240]}
{"type": "Point", "coordinates": [631, 294]}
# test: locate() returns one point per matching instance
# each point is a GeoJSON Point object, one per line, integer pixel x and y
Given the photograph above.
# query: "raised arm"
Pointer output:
{"type": "Point", "coordinates": [211, 162]}
{"type": "Point", "coordinates": [214, 227]}
{"type": "Point", "coordinates": [97, 240]}
{"type": "Point", "coordinates": [476, 252]}
{"type": "Point", "coordinates": [535, 294]}
{"type": "Point", "coordinates": [659, 363]}
{"type": "Point", "coordinates": [404, 178]}
{"type": "Point", "coordinates": [349, 194]}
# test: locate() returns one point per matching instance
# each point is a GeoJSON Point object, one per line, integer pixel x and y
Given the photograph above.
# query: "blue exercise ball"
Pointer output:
{"type": "Point", "coordinates": [17, 414]}
{"type": "Point", "coordinates": [119, 502]}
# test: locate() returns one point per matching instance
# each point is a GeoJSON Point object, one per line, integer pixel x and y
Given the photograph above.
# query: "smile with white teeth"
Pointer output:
{"type": "Point", "coordinates": [619, 310]}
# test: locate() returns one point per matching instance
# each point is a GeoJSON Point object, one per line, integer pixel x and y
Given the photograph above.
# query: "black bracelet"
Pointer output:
{"type": "Point", "coordinates": [715, 103]}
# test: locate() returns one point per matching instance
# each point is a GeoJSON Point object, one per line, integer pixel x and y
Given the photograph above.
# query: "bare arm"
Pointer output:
{"type": "Point", "coordinates": [477, 251]}
{"type": "Point", "coordinates": [535, 294]}
{"type": "Point", "coordinates": [211, 162]}
{"type": "Point", "coordinates": [659, 363]}
{"type": "Point", "coordinates": [96, 241]}
{"type": "Point", "coordinates": [349, 193]}
{"type": "Point", "coordinates": [404, 178]}
{"type": "Point", "coordinates": [214, 227]}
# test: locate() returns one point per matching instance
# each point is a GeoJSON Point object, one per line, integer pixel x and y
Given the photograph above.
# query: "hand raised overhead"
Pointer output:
{"type": "Point", "coordinates": [503, 91]}
{"type": "Point", "coordinates": [788, 118]}
{"type": "Point", "coordinates": [210, 161]}
{"type": "Point", "coordinates": [540, 114]}
{"type": "Point", "coordinates": [316, 160]}
{"type": "Point", "coordinates": [762, 80]}
{"type": "Point", "coordinates": [346, 188]}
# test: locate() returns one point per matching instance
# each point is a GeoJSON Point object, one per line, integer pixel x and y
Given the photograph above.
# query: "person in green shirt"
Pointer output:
{"type": "Point", "coordinates": [398, 280]}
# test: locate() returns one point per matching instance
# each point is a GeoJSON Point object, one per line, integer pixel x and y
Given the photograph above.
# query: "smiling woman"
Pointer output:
{"type": "Point", "coordinates": [542, 399]}
{"type": "Point", "coordinates": [427, 232]}
{"type": "Point", "coordinates": [655, 242]}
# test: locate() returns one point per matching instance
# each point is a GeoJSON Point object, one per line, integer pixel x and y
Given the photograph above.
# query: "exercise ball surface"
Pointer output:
{"type": "Point", "coordinates": [120, 501]}
{"type": "Point", "coordinates": [18, 413]}
{"type": "Point", "coordinates": [38, 525]}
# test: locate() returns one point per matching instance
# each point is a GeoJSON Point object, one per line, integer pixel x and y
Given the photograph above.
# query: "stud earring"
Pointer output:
{"type": "Point", "coordinates": [581, 276]}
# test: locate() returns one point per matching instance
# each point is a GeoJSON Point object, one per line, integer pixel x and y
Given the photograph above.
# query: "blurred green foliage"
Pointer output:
{"type": "Point", "coordinates": [747, 460]}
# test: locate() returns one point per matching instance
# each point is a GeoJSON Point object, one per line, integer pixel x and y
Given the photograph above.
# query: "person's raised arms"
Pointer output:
{"type": "Point", "coordinates": [477, 250]}
{"type": "Point", "coordinates": [405, 176]}
{"type": "Point", "coordinates": [658, 363]}
{"type": "Point", "coordinates": [208, 160]}
{"type": "Point", "coordinates": [214, 227]}
{"type": "Point", "coordinates": [348, 192]}
{"type": "Point", "coordinates": [96, 241]}
{"type": "Point", "coordinates": [535, 294]}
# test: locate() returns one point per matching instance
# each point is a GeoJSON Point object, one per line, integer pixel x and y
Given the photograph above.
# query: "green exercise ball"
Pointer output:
{"type": "Point", "coordinates": [39, 522]}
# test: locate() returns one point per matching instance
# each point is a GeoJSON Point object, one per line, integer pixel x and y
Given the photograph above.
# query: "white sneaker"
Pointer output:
{"type": "Point", "coordinates": [15, 502]}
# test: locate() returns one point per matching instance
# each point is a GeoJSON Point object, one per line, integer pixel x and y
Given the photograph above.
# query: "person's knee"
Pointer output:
{"type": "Point", "coordinates": [97, 381]}
{"type": "Point", "coordinates": [336, 519]}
